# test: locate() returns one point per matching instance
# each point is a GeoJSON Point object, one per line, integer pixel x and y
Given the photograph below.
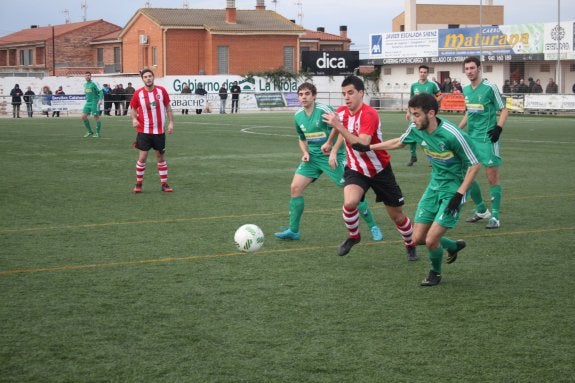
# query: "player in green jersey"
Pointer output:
{"type": "Point", "coordinates": [483, 101]}
{"type": "Point", "coordinates": [454, 167]}
{"type": "Point", "coordinates": [421, 86]}
{"type": "Point", "coordinates": [94, 98]}
{"type": "Point", "coordinates": [321, 153]}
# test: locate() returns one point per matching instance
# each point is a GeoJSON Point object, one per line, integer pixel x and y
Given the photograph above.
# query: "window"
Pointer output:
{"type": "Point", "coordinates": [387, 71]}
{"type": "Point", "coordinates": [154, 56]}
{"type": "Point", "coordinates": [545, 68]}
{"type": "Point", "coordinates": [26, 57]}
{"type": "Point", "coordinates": [409, 70]}
{"type": "Point", "coordinates": [288, 58]}
{"type": "Point", "coordinates": [117, 55]}
{"type": "Point", "coordinates": [488, 68]}
{"type": "Point", "coordinates": [223, 60]}
{"type": "Point", "coordinates": [100, 59]}
{"type": "Point", "coordinates": [452, 26]}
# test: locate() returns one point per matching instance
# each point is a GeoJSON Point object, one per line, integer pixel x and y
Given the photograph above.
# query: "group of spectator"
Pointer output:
{"type": "Point", "coordinates": [530, 87]}
{"type": "Point", "coordinates": [28, 97]}
{"type": "Point", "coordinates": [235, 90]}
{"type": "Point", "coordinates": [119, 97]}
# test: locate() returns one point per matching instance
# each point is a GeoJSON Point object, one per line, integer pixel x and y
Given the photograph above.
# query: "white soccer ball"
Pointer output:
{"type": "Point", "coordinates": [249, 238]}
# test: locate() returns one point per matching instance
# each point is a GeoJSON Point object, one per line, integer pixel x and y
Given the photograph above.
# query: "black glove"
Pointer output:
{"type": "Point", "coordinates": [361, 147]}
{"type": "Point", "coordinates": [454, 203]}
{"type": "Point", "coordinates": [495, 133]}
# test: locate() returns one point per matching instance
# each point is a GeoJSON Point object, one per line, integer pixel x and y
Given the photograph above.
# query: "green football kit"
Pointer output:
{"type": "Point", "coordinates": [315, 132]}
{"type": "Point", "coordinates": [450, 152]}
{"type": "Point", "coordinates": [91, 107]}
{"type": "Point", "coordinates": [483, 103]}
{"type": "Point", "coordinates": [429, 87]}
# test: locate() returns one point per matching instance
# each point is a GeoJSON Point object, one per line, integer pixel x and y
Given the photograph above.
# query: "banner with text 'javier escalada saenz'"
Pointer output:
{"type": "Point", "coordinates": [330, 63]}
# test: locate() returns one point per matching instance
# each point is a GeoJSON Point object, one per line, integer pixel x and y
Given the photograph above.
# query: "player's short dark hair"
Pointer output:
{"type": "Point", "coordinates": [88, 72]}
{"type": "Point", "coordinates": [309, 86]}
{"type": "Point", "coordinates": [424, 67]}
{"type": "Point", "coordinates": [472, 59]}
{"type": "Point", "coordinates": [425, 101]}
{"type": "Point", "coordinates": [144, 71]}
{"type": "Point", "coordinates": [355, 81]}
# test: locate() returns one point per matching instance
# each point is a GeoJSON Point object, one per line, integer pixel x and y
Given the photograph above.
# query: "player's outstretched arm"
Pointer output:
{"type": "Point", "coordinates": [394, 143]}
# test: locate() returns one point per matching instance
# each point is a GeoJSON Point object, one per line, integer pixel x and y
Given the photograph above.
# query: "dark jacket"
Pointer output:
{"type": "Point", "coordinates": [235, 90]}
{"type": "Point", "coordinates": [223, 92]}
{"type": "Point", "coordinates": [16, 94]}
{"type": "Point", "coordinates": [29, 96]}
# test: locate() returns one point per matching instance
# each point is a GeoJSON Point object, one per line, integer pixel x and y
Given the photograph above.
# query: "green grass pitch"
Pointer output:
{"type": "Point", "coordinates": [100, 285]}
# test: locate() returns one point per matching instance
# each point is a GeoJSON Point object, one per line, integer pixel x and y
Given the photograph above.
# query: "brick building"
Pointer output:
{"type": "Point", "coordinates": [210, 41]}
{"type": "Point", "coordinates": [57, 50]}
{"type": "Point", "coordinates": [319, 40]}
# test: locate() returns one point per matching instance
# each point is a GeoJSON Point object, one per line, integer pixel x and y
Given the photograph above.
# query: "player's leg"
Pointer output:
{"type": "Point", "coordinates": [296, 206]}
{"type": "Point", "coordinates": [352, 195]}
{"type": "Point", "coordinates": [98, 122]}
{"type": "Point", "coordinates": [413, 153]}
{"type": "Point", "coordinates": [85, 112]}
{"type": "Point", "coordinates": [495, 193]}
{"type": "Point", "coordinates": [140, 170]}
{"type": "Point", "coordinates": [163, 170]}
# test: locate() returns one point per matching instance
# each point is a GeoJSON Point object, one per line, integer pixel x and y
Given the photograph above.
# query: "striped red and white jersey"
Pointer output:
{"type": "Point", "coordinates": [151, 107]}
{"type": "Point", "coordinates": [364, 121]}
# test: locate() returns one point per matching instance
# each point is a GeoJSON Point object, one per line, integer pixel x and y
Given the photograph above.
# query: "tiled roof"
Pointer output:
{"type": "Point", "coordinates": [214, 20]}
{"type": "Point", "coordinates": [322, 36]}
{"type": "Point", "coordinates": [43, 33]}
{"type": "Point", "coordinates": [109, 36]}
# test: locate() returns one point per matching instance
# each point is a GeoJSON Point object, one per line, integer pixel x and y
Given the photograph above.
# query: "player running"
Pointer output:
{"type": "Point", "coordinates": [454, 167]}
{"type": "Point", "coordinates": [321, 153]}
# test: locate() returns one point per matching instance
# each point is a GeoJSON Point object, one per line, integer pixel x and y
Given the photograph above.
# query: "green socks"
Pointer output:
{"type": "Point", "coordinates": [495, 192]}
{"type": "Point", "coordinates": [87, 125]}
{"type": "Point", "coordinates": [98, 126]}
{"type": "Point", "coordinates": [296, 206]}
{"type": "Point", "coordinates": [366, 213]}
{"type": "Point", "coordinates": [436, 256]}
{"type": "Point", "coordinates": [413, 149]}
{"type": "Point", "coordinates": [475, 193]}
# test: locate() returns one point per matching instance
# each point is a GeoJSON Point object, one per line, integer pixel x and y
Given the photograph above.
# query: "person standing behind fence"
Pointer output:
{"type": "Point", "coordinates": [186, 90]}
{"type": "Point", "coordinates": [29, 100]}
{"type": "Point", "coordinates": [223, 92]}
{"type": "Point", "coordinates": [551, 87]}
{"type": "Point", "coordinates": [128, 92]}
{"type": "Point", "coordinates": [94, 97]}
{"type": "Point", "coordinates": [201, 92]}
{"type": "Point", "coordinates": [59, 91]}
{"type": "Point", "coordinates": [235, 90]}
{"type": "Point", "coordinates": [16, 94]}
{"type": "Point", "coordinates": [421, 86]}
{"type": "Point", "coordinates": [46, 100]}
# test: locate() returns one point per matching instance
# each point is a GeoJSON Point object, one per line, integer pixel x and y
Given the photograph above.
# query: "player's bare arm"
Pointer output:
{"type": "Point", "coordinates": [134, 115]}
{"type": "Point", "coordinates": [333, 120]}
{"type": "Point", "coordinates": [304, 151]}
{"type": "Point", "coordinates": [170, 115]}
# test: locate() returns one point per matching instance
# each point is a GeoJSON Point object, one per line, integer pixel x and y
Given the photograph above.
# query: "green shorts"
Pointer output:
{"type": "Point", "coordinates": [487, 153]}
{"type": "Point", "coordinates": [431, 208]}
{"type": "Point", "coordinates": [318, 164]}
{"type": "Point", "coordinates": [91, 108]}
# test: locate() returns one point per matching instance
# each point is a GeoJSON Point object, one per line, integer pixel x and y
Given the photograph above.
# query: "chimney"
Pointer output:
{"type": "Point", "coordinates": [260, 5]}
{"type": "Point", "coordinates": [231, 11]}
{"type": "Point", "coordinates": [343, 31]}
{"type": "Point", "coordinates": [320, 29]}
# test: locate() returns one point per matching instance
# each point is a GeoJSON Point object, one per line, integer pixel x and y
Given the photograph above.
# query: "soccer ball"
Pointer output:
{"type": "Point", "coordinates": [249, 238]}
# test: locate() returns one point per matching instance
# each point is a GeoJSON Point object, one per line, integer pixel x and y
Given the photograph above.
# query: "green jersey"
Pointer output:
{"type": "Point", "coordinates": [482, 104]}
{"type": "Point", "coordinates": [429, 87]}
{"type": "Point", "coordinates": [312, 128]}
{"type": "Point", "coordinates": [449, 150]}
{"type": "Point", "coordinates": [92, 92]}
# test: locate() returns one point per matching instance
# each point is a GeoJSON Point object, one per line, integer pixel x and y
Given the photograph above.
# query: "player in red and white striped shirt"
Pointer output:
{"type": "Point", "coordinates": [359, 123]}
{"type": "Point", "coordinates": [148, 108]}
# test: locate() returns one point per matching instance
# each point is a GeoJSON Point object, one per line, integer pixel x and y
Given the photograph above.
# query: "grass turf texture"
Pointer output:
{"type": "Point", "coordinates": [100, 285]}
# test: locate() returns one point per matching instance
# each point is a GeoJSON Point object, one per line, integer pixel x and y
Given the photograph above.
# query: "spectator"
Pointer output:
{"type": "Point", "coordinates": [202, 92]}
{"type": "Point", "coordinates": [573, 89]}
{"type": "Point", "coordinates": [235, 90]}
{"type": "Point", "coordinates": [223, 92]}
{"type": "Point", "coordinates": [186, 90]}
{"type": "Point", "coordinates": [59, 91]}
{"type": "Point", "coordinates": [531, 85]}
{"type": "Point", "coordinates": [457, 87]}
{"type": "Point", "coordinates": [128, 92]}
{"type": "Point", "coordinates": [118, 99]}
{"type": "Point", "coordinates": [46, 100]}
{"type": "Point", "coordinates": [29, 100]}
{"type": "Point", "coordinates": [537, 88]}
{"type": "Point", "coordinates": [551, 87]}
{"type": "Point", "coordinates": [107, 99]}
{"type": "Point", "coordinates": [16, 94]}
{"type": "Point", "coordinates": [522, 88]}
{"type": "Point", "coordinates": [506, 87]}
{"type": "Point", "coordinates": [447, 86]}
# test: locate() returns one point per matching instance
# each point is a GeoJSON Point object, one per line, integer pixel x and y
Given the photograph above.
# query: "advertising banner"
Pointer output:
{"type": "Point", "coordinates": [453, 102]}
{"type": "Point", "coordinates": [404, 44]}
{"type": "Point", "coordinates": [332, 63]}
{"type": "Point", "coordinates": [559, 40]}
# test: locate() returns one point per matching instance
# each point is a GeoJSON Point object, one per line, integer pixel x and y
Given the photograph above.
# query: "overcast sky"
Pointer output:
{"type": "Point", "coordinates": [362, 17]}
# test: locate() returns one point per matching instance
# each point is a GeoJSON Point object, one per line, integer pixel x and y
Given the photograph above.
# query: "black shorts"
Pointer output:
{"type": "Point", "coordinates": [146, 142]}
{"type": "Point", "coordinates": [383, 184]}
